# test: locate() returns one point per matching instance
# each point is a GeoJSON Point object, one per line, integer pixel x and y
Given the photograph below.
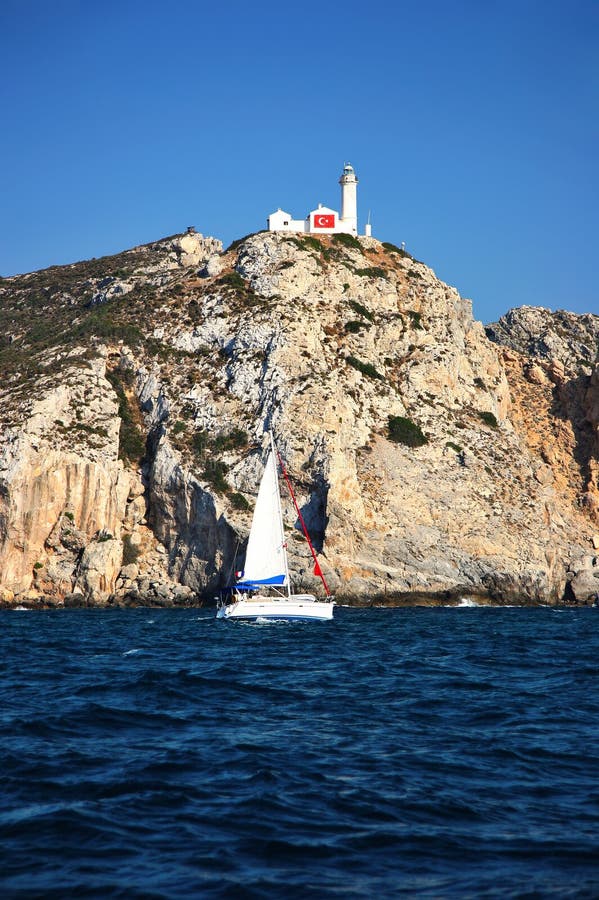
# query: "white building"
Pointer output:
{"type": "Point", "coordinates": [325, 220]}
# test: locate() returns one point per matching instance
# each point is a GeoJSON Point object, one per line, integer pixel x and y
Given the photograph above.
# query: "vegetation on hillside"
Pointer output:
{"type": "Point", "coordinates": [402, 430]}
{"type": "Point", "coordinates": [52, 310]}
{"type": "Point", "coordinates": [365, 368]}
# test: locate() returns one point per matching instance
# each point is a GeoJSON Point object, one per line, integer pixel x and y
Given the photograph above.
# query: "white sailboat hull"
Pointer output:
{"type": "Point", "coordinates": [298, 606]}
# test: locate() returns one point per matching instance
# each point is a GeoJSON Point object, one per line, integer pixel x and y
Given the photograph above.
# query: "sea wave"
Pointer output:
{"type": "Point", "coordinates": [404, 751]}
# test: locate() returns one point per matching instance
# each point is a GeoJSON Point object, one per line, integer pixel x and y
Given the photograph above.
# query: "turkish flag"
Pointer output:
{"type": "Point", "coordinates": [317, 569]}
{"type": "Point", "coordinates": [324, 221]}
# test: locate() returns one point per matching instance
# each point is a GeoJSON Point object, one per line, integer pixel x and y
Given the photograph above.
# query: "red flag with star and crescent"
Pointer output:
{"type": "Point", "coordinates": [324, 220]}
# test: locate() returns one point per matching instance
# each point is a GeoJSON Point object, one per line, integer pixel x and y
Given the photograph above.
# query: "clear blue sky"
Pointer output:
{"type": "Point", "coordinates": [473, 128]}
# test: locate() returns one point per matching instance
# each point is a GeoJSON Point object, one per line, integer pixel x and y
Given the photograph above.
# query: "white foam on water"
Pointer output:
{"type": "Point", "coordinates": [131, 652]}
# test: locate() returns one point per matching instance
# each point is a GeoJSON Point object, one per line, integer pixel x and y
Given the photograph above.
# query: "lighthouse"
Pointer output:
{"type": "Point", "coordinates": [349, 200]}
{"type": "Point", "coordinates": [325, 220]}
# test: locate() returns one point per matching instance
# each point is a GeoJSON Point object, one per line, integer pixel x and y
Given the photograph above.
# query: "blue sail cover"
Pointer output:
{"type": "Point", "coordinates": [251, 585]}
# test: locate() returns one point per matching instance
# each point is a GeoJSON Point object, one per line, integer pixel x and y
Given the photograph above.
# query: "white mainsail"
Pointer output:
{"type": "Point", "coordinates": [266, 557]}
{"type": "Point", "coordinates": [266, 561]}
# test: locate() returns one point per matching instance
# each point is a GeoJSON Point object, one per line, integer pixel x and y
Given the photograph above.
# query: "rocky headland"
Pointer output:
{"type": "Point", "coordinates": [433, 460]}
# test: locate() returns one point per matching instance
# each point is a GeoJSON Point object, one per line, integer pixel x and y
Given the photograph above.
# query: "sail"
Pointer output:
{"type": "Point", "coordinates": [265, 560]}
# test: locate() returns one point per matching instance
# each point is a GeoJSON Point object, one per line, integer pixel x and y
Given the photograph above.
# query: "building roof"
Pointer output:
{"type": "Point", "coordinates": [323, 209]}
{"type": "Point", "coordinates": [281, 212]}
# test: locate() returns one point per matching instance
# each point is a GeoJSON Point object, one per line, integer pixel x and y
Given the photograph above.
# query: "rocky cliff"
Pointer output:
{"type": "Point", "coordinates": [431, 462]}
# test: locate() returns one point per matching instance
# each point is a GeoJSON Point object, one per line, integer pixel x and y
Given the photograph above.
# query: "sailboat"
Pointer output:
{"type": "Point", "coordinates": [266, 568]}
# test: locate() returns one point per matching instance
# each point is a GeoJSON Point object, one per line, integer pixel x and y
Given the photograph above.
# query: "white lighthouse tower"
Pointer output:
{"type": "Point", "coordinates": [349, 200]}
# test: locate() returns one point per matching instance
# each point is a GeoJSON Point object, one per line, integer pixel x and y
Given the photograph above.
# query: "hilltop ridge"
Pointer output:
{"type": "Point", "coordinates": [431, 462]}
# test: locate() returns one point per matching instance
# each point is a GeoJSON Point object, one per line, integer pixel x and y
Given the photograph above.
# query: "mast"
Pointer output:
{"type": "Point", "coordinates": [275, 454]}
{"type": "Point", "coordinates": [317, 569]}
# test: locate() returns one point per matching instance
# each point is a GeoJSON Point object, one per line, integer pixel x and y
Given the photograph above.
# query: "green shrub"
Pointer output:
{"type": "Point", "coordinates": [214, 473]}
{"type": "Point", "coordinates": [234, 439]}
{"type": "Point", "coordinates": [392, 248]}
{"type": "Point", "coordinates": [298, 243]}
{"type": "Point", "coordinates": [188, 411]}
{"type": "Point", "coordinates": [365, 368]}
{"type": "Point", "coordinates": [453, 446]}
{"type": "Point", "coordinates": [178, 427]}
{"type": "Point", "coordinates": [354, 326]}
{"type": "Point", "coordinates": [235, 244]}
{"type": "Point", "coordinates": [416, 319]}
{"type": "Point", "coordinates": [361, 310]}
{"type": "Point", "coordinates": [38, 565]}
{"type": "Point", "coordinates": [488, 418]}
{"type": "Point", "coordinates": [104, 536]}
{"type": "Point", "coordinates": [412, 273]}
{"type": "Point", "coordinates": [200, 441]}
{"type": "Point", "coordinates": [313, 242]}
{"type": "Point", "coordinates": [403, 431]}
{"type": "Point", "coordinates": [238, 501]}
{"type": "Point", "coordinates": [372, 272]}
{"type": "Point", "coordinates": [348, 240]}
{"type": "Point", "coordinates": [330, 253]}
{"type": "Point", "coordinates": [100, 323]}
{"type": "Point", "coordinates": [127, 377]}
{"type": "Point", "coordinates": [306, 243]}
{"type": "Point", "coordinates": [132, 446]}
{"type": "Point", "coordinates": [69, 515]}
{"type": "Point", "coordinates": [479, 383]}
{"type": "Point", "coordinates": [91, 429]}
{"type": "Point", "coordinates": [233, 279]}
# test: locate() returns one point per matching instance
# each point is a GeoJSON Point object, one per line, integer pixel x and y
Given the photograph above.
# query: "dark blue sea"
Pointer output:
{"type": "Point", "coordinates": [405, 752]}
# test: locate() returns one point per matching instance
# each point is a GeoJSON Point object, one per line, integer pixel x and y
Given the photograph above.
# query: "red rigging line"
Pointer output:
{"type": "Point", "coordinates": [317, 569]}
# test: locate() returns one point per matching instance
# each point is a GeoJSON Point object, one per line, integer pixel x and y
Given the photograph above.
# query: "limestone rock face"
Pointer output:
{"type": "Point", "coordinates": [213, 267]}
{"type": "Point", "coordinates": [98, 569]}
{"type": "Point", "coordinates": [60, 480]}
{"type": "Point", "coordinates": [109, 288]}
{"type": "Point", "coordinates": [585, 580]}
{"type": "Point", "coordinates": [591, 400]}
{"type": "Point", "coordinates": [194, 249]}
{"type": "Point", "coordinates": [533, 331]}
{"type": "Point", "coordinates": [129, 473]}
{"type": "Point", "coordinates": [557, 415]}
